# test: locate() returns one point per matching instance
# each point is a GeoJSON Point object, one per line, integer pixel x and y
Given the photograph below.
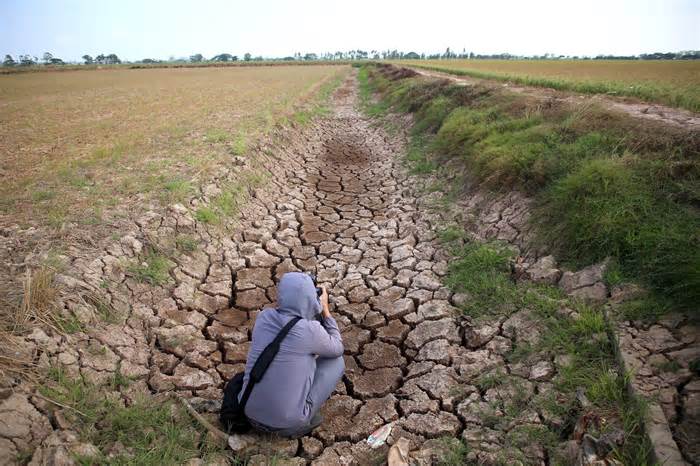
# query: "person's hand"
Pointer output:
{"type": "Point", "coordinates": [326, 311]}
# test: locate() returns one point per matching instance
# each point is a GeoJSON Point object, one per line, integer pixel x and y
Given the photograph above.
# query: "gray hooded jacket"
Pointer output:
{"type": "Point", "coordinates": [280, 400]}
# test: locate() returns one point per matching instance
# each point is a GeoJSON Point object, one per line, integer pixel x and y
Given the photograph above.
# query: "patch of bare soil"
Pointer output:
{"type": "Point", "coordinates": [649, 112]}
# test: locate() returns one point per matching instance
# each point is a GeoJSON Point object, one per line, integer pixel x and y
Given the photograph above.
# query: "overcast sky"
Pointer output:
{"type": "Point", "coordinates": [136, 29]}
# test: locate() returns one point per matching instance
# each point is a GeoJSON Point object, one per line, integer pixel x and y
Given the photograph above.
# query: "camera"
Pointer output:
{"type": "Point", "coordinates": [319, 291]}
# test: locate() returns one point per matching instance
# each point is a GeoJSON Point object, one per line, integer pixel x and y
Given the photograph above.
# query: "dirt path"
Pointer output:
{"type": "Point", "coordinates": [353, 216]}
{"type": "Point", "coordinates": [675, 117]}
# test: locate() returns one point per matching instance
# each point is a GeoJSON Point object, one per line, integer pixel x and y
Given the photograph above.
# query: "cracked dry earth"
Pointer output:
{"type": "Point", "coordinates": [338, 204]}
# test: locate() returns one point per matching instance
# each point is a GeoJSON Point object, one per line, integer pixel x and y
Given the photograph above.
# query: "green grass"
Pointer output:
{"type": "Point", "coordinates": [490, 380]}
{"type": "Point", "coordinates": [105, 311]}
{"type": "Point", "coordinates": [319, 106]}
{"type": "Point", "coordinates": [177, 189]}
{"type": "Point", "coordinates": [369, 105]}
{"type": "Point", "coordinates": [152, 432]}
{"type": "Point", "coordinates": [239, 146]}
{"type": "Point", "coordinates": [647, 308]}
{"type": "Point", "coordinates": [70, 324]}
{"type": "Point", "coordinates": [451, 234]}
{"type": "Point", "coordinates": [206, 215]}
{"type": "Point", "coordinates": [417, 156]}
{"type": "Point", "coordinates": [482, 271]}
{"type": "Point", "coordinates": [683, 97]}
{"type": "Point", "coordinates": [454, 452]}
{"type": "Point", "coordinates": [605, 208]}
{"type": "Point", "coordinates": [215, 136]}
{"type": "Point", "coordinates": [669, 366]}
{"type": "Point", "coordinates": [186, 243]}
{"type": "Point", "coordinates": [226, 206]}
{"type": "Point", "coordinates": [42, 195]}
{"type": "Point", "coordinates": [431, 115]}
{"type": "Point", "coordinates": [694, 366]}
{"type": "Point", "coordinates": [230, 200]}
{"type": "Point", "coordinates": [603, 185]}
{"type": "Point", "coordinates": [153, 268]}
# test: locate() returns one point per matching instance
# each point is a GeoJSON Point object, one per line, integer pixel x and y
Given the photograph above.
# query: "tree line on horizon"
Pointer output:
{"type": "Point", "coordinates": [112, 59]}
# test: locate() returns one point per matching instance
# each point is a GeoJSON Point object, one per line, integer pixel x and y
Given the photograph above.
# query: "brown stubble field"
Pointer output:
{"type": "Point", "coordinates": [76, 144]}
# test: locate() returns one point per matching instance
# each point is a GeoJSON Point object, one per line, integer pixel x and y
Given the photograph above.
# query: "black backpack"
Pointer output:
{"type": "Point", "coordinates": [232, 415]}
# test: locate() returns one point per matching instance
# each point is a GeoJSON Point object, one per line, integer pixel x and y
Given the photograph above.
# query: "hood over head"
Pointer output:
{"type": "Point", "coordinates": [296, 295]}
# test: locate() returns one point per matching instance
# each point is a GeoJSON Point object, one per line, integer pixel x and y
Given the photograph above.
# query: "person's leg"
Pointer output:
{"type": "Point", "coordinates": [298, 432]}
{"type": "Point", "coordinates": [328, 372]}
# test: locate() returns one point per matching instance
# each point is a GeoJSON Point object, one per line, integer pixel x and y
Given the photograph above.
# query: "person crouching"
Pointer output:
{"type": "Point", "coordinates": [288, 400]}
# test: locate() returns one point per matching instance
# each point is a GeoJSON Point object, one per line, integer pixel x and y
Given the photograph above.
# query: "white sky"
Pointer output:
{"type": "Point", "coordinates": [136, 29]}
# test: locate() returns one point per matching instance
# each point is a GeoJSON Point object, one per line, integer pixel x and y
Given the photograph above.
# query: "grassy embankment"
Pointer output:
{"type": "Point", "coordinates": [671, 82]}
{"type": "Point", "coordinates": [604, 185]}
{"type": "Point", "coordinates": [596, 197]}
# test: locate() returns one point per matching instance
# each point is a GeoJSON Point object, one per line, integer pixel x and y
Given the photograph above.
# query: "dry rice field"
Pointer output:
{"type": "Point", "coordinates": [75, 143]}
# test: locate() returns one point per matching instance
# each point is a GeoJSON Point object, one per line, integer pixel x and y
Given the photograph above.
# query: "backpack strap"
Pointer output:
{"type": "Point", "coordinates": [264, 361]}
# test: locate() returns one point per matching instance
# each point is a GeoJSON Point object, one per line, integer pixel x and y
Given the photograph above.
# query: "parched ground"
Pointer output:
{"type": "Point", "coordinates": [337, 201]}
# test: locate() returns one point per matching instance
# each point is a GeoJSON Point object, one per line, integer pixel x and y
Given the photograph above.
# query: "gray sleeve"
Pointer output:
{"type": "Point", "coordinates": [325, 339]}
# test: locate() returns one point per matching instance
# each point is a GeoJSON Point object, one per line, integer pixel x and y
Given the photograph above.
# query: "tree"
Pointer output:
{"type": "Point", "coordinates": [47, 57]}
{"type": "Point", "coordinates": [196, 58]}
{"type": "Point", "coordinates": [9, 61]}
{"type": "Point", "coordinates": [88, 59]}
{"type": "Point", "coordinates": [246, 57]}
{"type": "Point", "coordinates": [223, 57]}
{"type": "Point", "coordinates": [27, 60]}
{"type": "Point", "coordinates": [111, 59]}
{"type": "Point", "coordinates": [56, 61]}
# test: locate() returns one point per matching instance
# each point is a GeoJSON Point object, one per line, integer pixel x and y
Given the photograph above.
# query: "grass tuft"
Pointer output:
{"type": "Point", "coordinates": [37, 304]}
{"type": "Point", "coordinates": [206, 215]}
{"type": "Point", "coordinates": [154, 269]}
{"type": "Point", "coordinates": [177, 189]}
{"type": "Point", "coordinates": [482, 271]}
{"type": "Point", "coordinates": [215, 136]}
{"type": "Point", "coordinates": [150, 432]}
{"type": "Point", "coordinates": [454, 452]}
{"type": "Point", "coordinates": [239, 146]}
{"type": "Point", "coordinates": [186, 243]}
